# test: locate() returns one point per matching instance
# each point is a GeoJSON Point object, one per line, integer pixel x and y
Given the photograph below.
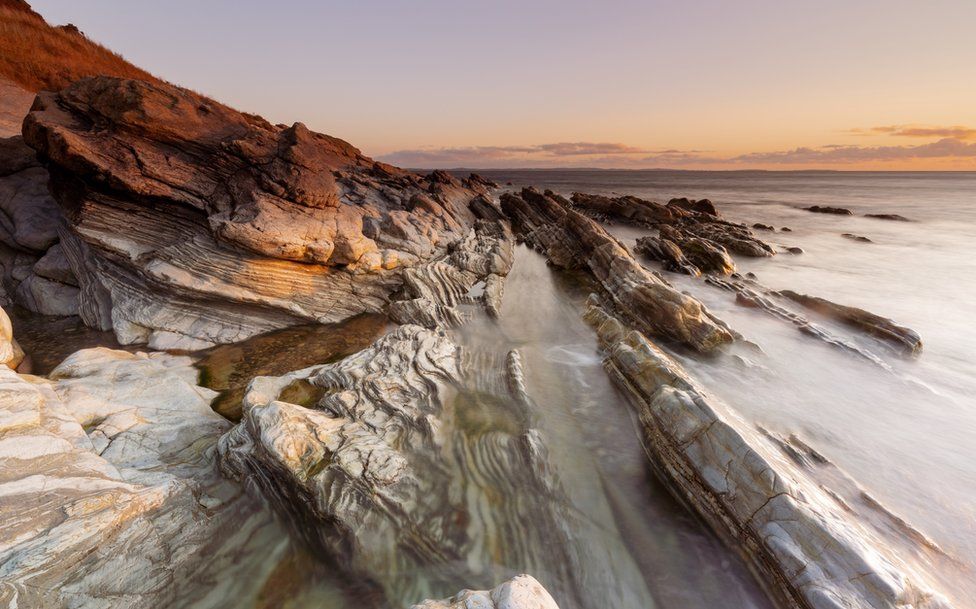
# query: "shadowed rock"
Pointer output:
{"type": "Point", "coordinates": [823, 209]}
{"type": "Point", "coordinates": [857, 238]}
{"type": "Point", "coordinates": [894, 217]}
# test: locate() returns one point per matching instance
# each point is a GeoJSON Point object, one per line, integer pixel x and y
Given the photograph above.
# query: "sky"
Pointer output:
{"type": "Point", "coordinates": [707, 84]}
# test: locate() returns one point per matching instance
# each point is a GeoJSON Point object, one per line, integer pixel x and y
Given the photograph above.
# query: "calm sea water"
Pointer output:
{"type": "Point", "coordinates": [907, 435]}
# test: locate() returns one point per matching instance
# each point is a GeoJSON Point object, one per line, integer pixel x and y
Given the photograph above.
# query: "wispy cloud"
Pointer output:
{"type": "Point", "coordinates": [583, 154]}
{"type": "Point", "coordinates": [958, 132]}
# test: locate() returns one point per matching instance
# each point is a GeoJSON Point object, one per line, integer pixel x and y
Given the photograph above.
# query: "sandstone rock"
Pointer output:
{"type": "Point", "coordinates": [189, 219]}
{"type": "Point", "coordinates": [520, 592]}
{"type": "Point", "coordinates": [902, 338]}
{"type": "Point", "coordinates": [823, 209]}
{"type": "Point", "coordinates": [10, 352]}
{"type": "Point", "coordinates": [807, 548]}
{"type": "Point", "coordinates": [704, 254]}
{"type": "Point", "coordinates": [573, 241]}
{"type": "Point", "coordinates": [110, 495]}
{"type": "Point", "coordinates": [894, 217]}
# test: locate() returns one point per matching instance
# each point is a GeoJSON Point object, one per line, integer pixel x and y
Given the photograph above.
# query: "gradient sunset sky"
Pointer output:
{"type": "Point", "coordinates": [873, 84]}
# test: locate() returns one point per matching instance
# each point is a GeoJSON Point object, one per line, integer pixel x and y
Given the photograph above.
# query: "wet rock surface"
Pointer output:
{"type": "Point", "coordinates": [573, 241]}
{"type": "Point", "coordinates": [892, 217]}
{"type": "Point", "coordinates": [189, 224]}
{"type": "Point", "coordinates": [799, 534]}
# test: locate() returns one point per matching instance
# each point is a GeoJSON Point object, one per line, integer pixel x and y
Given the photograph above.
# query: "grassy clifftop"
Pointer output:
{"type": "Point", "coordinates": [38, 56]}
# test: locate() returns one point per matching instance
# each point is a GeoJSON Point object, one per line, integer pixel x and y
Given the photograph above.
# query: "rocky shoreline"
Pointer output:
{"type": "Point", "coordinates": [185, 226]}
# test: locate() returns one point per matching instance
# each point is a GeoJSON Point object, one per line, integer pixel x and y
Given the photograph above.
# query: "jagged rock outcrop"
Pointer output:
{"type": "Point", "coordinates": [570, 240]}
{"type": "Point", "coordinates": [901, 338]}
{"type": "Point", "coordinates": [630, 209]}
{"type": "Point", "coordinates": [109, 495]}
{"type": "Point", "coordinates": [668, 253]}
{"type": "Point", "coordinates": [702, 206]}
{"type": "Point", "coordinates": [190, 224]}
{"type": "Point", "coordinates": [802, 538]}
{"type": "Point", "coordinates": [520, 592]}
{"type": "Point", "coordinates": [826, 209]}
{"type": "Point", "coordinates": [386, 460]}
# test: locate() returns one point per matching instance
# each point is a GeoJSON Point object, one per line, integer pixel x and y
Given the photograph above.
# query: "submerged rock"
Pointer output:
{"type": "Point", "coordinates": [854, 237]}
{"type": "Point", "coordinates": [520, 592]}
{"type": "Point", "coordinates": [823, 209]}
{"type": "Point", "coordinates": [904, 339]}
{"type": "Point", "coordinates": [573, 241]}
{"type": "Point", "coordinates": [110, 494]}
{"type": "Point", "coordinates": [190, 224]}
{"type": "Point", "coordinates": [894, 217]}
{"type": "Point", "coordinates": [802, 542]}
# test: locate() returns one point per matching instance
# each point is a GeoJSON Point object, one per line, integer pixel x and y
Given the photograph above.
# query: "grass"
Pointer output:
{"type": "Point", "coordinates": [38, 56]}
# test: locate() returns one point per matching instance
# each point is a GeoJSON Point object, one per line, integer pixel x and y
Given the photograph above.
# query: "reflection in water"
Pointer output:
{"type": "Point", "coordinates": [48, 340]}
{"type": "Point", "coordinates": [229, 368]}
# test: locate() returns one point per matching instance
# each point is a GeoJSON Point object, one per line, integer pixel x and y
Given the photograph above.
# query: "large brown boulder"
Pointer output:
{"type": "Point", "coordinates": [189, 223]}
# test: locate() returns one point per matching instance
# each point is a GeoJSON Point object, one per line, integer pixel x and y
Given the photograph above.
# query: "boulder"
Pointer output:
{"type": "Point", "coordinates": [10, 352]}
{"type": "Point", "coordinates": [702, 206]}
{"type": "Point", "coordinates": [893, 217]}
{"type": "Point", "coordinates": [520, 592]}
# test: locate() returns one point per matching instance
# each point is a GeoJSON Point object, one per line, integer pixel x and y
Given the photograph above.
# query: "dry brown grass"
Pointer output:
{"type": "Point", "coordinates": [39, 57]}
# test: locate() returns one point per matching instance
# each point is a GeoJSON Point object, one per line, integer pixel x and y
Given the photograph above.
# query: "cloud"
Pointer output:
{"type": "Point", "coordinates": [584, 154]}
{"type": "Point", "coordinates": [958, 132]}
{"type": "Point", "coordinates": [829, 155]}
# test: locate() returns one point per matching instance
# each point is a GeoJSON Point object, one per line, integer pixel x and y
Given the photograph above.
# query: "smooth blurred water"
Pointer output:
{"type": "Point", "coordinates": [909, 435]}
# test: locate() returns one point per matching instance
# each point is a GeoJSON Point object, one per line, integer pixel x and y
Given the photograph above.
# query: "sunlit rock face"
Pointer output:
{"type": "Point", "coordinates": [815, 537]}
{"type": "Point", "coordinates": [189, 223]}
{"type": "Point", "coordinates": [521, 592]}
{"type": "Point", "coordinates": [108, 491]}
{"type": "Point", "coordinates": [571, 240]}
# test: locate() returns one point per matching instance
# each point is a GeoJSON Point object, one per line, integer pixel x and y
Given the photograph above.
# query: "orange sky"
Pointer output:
{"type": "Point", "coordinates": [711, 84]}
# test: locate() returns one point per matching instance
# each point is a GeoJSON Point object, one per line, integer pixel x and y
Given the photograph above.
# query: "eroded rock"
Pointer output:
{"type": "Point", "coordinates": [520, 592]}
{"type": "Point", "coordinates": [825, 209]}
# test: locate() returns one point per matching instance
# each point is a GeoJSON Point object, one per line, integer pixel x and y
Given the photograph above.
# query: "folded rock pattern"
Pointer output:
{"type": "Point", "coordinates": [109, 495]}
{"type": "Point", "coordinates": [520, 592]}
{"type": "Point", "coordinates": [798, 536]}
{"type": "Point", "coordinates": [190, 224]}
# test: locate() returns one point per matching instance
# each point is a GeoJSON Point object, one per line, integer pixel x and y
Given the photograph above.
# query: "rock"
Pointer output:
{"type": "Point", "coordinates": [11, 355]}
{"type": "Point", "coordinates": [14, 104]}
{"type": "Point", "coordinates": [189, 219]}
{"type": "Point", "coordinates": [386, 463]}
{"type": "Point", "coordinates": [48, 297]}
{"type": "Point", "coordinates": [858, 238]}
{"type": "Point", "coordinates": [735, 238]}
{"type": "Point", "coordinates": [802, 542]}
{"type": "Point", "coordinates": [573, 241]}
{"type": "Point", "coordinates": [786, 229]}
{"type": "Point", "coordinates": [30, 217]}
{"type": "Point", "coordinates": [766, 227]}
{"type": "Point", "coordinates": [893, 217]}
{"type": "Point", "coordinates": [702, 206]}
{"type": "Point", "coordinates": [822, 209]}
{"type": "Point", "coordinates": [111, 497]}
{"type": "Point", "coordinates": [628, 208]}
{"type": "Point", "coordinates": [706, 255]}
{"type": "Point", "coordinates": [520, 592]}
{"type": "Point", "coordinates": [904, 339]}
{"type": "Point", "coordinates": [54, 265]}
{"type": "Point", "coordinates": [792, 249]}
{"type": "Point", "coordinates": [667, 253]}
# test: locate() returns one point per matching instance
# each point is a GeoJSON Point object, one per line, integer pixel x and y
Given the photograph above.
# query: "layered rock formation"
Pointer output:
{"type": "Point", "coordinates": [520, 592]}
{"type": "Point", "coordinates": [108, 490]}
{"type": "Point", "coordinates": [570, 240]}
{"type": "Point", "coordinates": [806, 542]}
{"type": "Point", "coordinates": [190, 224]}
